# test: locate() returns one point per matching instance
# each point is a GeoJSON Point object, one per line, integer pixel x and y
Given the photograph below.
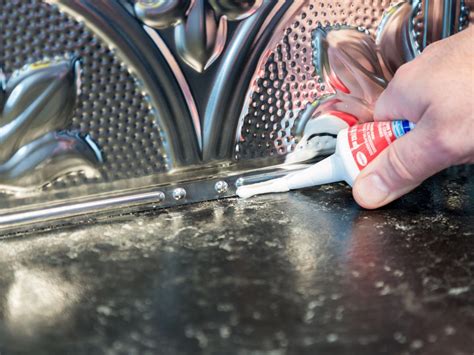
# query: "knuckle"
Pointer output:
{"type": "Point", "coordinates": [437, 52]}
{"type": "Point", "coordinates": [393, 88]}
{"type": "Point", "coordinates": [430, 48]}
{"type": "Point", "coordinates": [404, 70]}
{"type": "Point", "coordinates": [436, 48]}
{"type": "Point", "coordinates": [403, 78]}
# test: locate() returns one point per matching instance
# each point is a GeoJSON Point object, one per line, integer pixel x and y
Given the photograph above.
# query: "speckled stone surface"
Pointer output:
{"type": "Point", "coordinates": [306, 272]}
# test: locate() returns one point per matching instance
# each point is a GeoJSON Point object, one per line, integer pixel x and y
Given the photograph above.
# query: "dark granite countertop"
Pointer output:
{"type": "Point", "coordinates": [307, 272]}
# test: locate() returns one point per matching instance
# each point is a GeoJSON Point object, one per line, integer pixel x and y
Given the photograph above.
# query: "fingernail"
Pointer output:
{"type": "Point", "coordinates": [372, 191]}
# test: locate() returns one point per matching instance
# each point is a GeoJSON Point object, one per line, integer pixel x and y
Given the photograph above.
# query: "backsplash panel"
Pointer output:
{"type": "Point", "coordinates": [109, 106]}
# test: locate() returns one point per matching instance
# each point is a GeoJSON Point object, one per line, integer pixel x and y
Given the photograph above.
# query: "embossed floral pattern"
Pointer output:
{"type": "Point", "coordinates": [200, 25]}
{"type": "Point", "coordinates": [346, 58]}
{"type": "Point", "coordinates": [358, 68]}
{"type": "Point", "coordinates": [36, 106]}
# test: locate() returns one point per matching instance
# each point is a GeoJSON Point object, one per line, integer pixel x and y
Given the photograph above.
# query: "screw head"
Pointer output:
{"type": "Point", "coordinates": [160, 196]}
{"type": "Point", "coordinates": [221, 187]}
{"type": "Point", "coordinates": [239, 182]}
{"type": "Point", "coordinates": [179, 194]}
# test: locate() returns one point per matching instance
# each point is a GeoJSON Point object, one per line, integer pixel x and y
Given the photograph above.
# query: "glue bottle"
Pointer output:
{"type": "Point", "coordinates": [356, 147]}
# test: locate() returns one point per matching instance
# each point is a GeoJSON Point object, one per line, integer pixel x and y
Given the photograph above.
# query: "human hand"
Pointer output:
{"type": "Point", "coordinates": [435, 91]}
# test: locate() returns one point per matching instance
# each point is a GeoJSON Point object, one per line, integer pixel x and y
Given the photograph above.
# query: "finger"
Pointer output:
{"type": "Point", "coordinates": [387, 107]}
{"type": "Point", "coordinates": [401, 167]}
{"type": "Point", "coordinates": [402, 98]}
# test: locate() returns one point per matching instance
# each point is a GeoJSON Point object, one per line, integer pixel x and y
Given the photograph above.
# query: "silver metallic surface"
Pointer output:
{"type": "Point", "coordinates": [179, 194]}
{"type": "Point", "coordinates": [181, 79]}
{"type": "Point", "coordinates": [152, 95]}
{"type": "Point", "coordinates": [200, 25]}
{"type": "Point", "coordinates": [100, 206]}
{"type": "Point", "coordinates": [37, 106]}
{"type": "Point", "coordinates": [221, 187]}
{"type": "Point", "coordinates": [77, 209]}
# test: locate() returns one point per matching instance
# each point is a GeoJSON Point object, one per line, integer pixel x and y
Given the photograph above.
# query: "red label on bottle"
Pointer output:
{"type": "Point", "coordinates": [368, 140]}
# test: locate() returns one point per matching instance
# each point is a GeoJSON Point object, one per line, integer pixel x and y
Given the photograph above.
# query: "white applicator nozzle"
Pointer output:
{"type": "Point", "coordinates": [324, 172]}
{"type": "Point", "coordinates": [354, 150]}
{"type": "Point", "coordinates": [271, 186]}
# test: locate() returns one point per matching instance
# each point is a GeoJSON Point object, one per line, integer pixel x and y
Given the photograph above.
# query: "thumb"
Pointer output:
{"type": "Point", "coordinates": [400, 168]}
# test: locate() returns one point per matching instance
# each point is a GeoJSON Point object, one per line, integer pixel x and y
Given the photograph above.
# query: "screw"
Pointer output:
{"type": "Point", "coordinates": [221, 187]}
{"type": "Point", "coordinates": [160, 196]}
{"type": "Point", "coordinates": [179, 194]}
{"type": "Point", "coordinates": [239, 182]}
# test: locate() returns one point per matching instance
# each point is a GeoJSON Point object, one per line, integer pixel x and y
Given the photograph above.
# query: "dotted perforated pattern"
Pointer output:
{"type": "Point", "coordinates": [418, 26]}
{"type": "Point", "coordinates": [465, 16]}
{"type": "Point", "coordinates": [111, 108]}
{"type": "Point", "coordinates": [290, 67]}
